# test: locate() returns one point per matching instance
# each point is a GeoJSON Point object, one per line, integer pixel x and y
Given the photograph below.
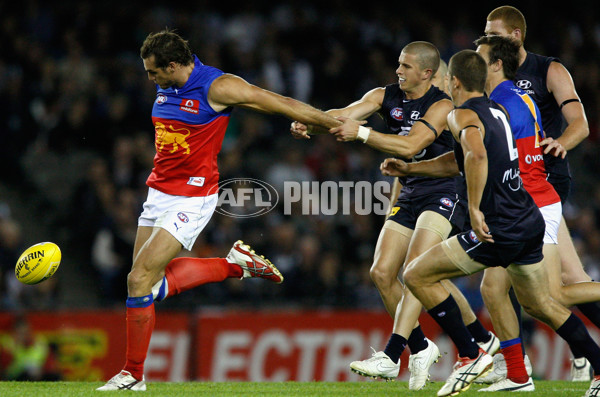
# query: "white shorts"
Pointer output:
{"type": "Point", "coordinates": [184, 217]}
{"type": "Point", "coordinates": [552, 216]}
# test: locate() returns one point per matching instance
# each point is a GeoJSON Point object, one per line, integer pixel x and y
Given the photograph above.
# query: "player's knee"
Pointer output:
{"type": "Point", "coordinates": [571, 275]}
{"type": "Point", "coordinates": [489, 290]}
{"type": "Point", "coordinates": [138, 279]}
{"type": "Point", "coordinates": [538, 310]}
{"type": "Point", "coordinates": [382, 277]}
{"type": "Point", "coordinates": [558, 295]}
{"type": "Point", "coordinates": [411, 277]}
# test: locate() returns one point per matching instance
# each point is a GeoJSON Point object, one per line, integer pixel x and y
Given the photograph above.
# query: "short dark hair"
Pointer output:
{"type": "Point", "coordinates": [469, 67]}
{"type": "Point", "coordinates": [505, 49]}
{"type": "Point", "coordinates": [166, 46]}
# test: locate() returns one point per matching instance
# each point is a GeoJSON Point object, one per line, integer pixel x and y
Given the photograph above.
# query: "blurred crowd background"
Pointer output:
{"type": "Point", "coordinates": [77, 139]}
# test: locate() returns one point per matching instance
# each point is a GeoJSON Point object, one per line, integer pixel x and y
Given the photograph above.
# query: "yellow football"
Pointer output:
{"type": "Point", "coordinates": [38, 263]}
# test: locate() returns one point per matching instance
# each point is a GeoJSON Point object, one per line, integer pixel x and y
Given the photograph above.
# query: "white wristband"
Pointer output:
{"type": "Point", "coordinates": [363, 134]}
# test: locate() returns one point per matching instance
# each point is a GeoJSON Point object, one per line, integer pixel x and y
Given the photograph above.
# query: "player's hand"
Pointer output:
{"type": "Point", "coordinates": [348, 131]}
{"type": "Point", "coordinates": [394, 167]}
{"type": "Point", "coordinates": [299, 130]}
{"type": "Point", "coordinates": [553, 147]}
{"type": "Point", "coordinates": [481, 229]}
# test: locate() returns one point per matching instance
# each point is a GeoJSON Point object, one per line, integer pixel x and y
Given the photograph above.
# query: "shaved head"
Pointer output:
{"type": "Point", "coordinates": [428, 56]}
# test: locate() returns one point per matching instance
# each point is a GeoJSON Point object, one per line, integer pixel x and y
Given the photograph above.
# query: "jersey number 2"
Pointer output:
{"type": "Point", "coordinates": [512, 151]}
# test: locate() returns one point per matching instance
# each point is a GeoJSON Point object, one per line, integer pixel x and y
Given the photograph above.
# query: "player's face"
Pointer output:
{"type": "Point", "coordinates": [408, 72]}
{"type": "Point", "coordinates": [163, 77]}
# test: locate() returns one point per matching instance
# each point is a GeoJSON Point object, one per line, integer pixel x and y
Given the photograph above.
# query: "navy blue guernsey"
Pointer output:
{"type": "Point", "coordinates": [531, 78]}
{"type": "Point", "coordinates": [400, 114]}
{"type": "Point", "coordinates": [510, 212]}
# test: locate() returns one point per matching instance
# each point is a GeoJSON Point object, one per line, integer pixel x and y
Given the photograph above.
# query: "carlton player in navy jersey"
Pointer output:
{"type": "Point", "coordinates": [550, 85]}
{"type": "Point", "coordinates": [507, 227]}
{"type": "Point", "coordinates": [190, 115]}
{"type": "Point", "coordinates": [502, 56]}
{"type": "Point", "coordinates": [426, 210]}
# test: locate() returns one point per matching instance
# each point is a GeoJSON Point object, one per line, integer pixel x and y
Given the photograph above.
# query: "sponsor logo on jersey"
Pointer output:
{"type": "Point", "coordinates": [190, 106]}
{"type": "Point", "coordinates": [512, 178]}
{"type": "Point", "coordinates": [524, 84]}
{"type": "Point", "coordinates": [397, 114]}
{"type": "Point", "coordinates": [196, 181]}
{"type": "Point", "coordinates": [183, 217]}
{"type": "Point", "coordinates": [533, 158]}
{"type": "Point", "coordinates": [160, 99]}
{"type": "Point", "coordinates": [394, 211]}
{"type": "Point", "coordinates": [415, 115]}
{"type": "Point", "coordinates": [447, 202]}
{"type": "Point", "coordinates": [473, 237]}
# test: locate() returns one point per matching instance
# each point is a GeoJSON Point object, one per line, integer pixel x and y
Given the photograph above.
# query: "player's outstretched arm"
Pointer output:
{"type": "Point", "coordinates": [421, 134]}
{"type": "Point", "coordinates": [443, 166]}
{"type": "Point", "coordinates": [359, 110]}
{"type": "Point", "coordinates": [230, 90]}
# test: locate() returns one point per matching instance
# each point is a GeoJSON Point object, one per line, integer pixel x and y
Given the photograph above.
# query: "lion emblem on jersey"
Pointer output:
{"type": "Point", "coordinates": [171, 136]}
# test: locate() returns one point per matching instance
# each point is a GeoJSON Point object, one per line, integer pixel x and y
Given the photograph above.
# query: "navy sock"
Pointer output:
{"type": "Point", "coordinates": [591, 311]}
{"type": "Point", "coordinates": [447, 315]}
{"type": "Point", "coordinates": [480, 334]}
{"type": "Point", "coordinates": [417, 340]}
{"type": "Point", "coordinates": [395, 347]}
{"type": "Point", "coordinates": [573, 331]}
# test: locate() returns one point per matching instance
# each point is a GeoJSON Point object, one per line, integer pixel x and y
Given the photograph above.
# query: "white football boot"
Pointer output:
{"type": "Point", "coordinates": [509, 385]}
{"type": "Point", "coordinates": [378, 366]}
{"type": "Point", "coordinates": [465, 371]}
{"type": "Point", "coordinates": [581, 370]}
{"type": "Point", "coordinates": [253, 265]}
{"type": "Point", "coordinates": [492, 346]}
{"type": "Point", "coordinates": [419, 364]}
{"type": "Point", "coordinates": [124, 381]}
{"type": "Point", "coordinates": [594, 390]}
{"type": "Point", "coordinates": [499, 371]}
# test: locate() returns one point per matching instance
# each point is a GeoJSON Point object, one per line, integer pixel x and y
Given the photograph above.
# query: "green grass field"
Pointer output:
{"type": "Point", "coordinates": [325, 389]}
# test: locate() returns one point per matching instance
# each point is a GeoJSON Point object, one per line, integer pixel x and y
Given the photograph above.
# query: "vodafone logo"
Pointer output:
{"type": "Point", "coordinates": [529, 159]}
{"type": "Point", "coordinates": [190, 106]}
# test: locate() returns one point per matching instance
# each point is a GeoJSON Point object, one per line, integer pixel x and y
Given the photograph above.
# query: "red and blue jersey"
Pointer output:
{"type": "Point", "coordinates": [526, 125]}
{"type": "Point", "coordinates": [188, 136]}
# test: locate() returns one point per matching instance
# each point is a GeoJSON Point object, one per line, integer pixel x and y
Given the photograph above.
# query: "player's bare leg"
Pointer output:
{"type": "Point", "coordinates": [154, 248]}
{"type": "Point", "coordinates": [495, 287]}
{"type": "Point", "coordinates": [571, 266]}
{"type": "Point", "coordinates": [572, 273]}
{"type": "Point", "coordinates": [422, 276]}
{"type": "Point", "coordinates": [390, 252]}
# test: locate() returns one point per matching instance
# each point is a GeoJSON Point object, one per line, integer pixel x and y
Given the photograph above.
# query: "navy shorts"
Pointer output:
{"type": "Point", "coordinates": [503, 253]}
{"type": "Point", "coordinates": [407, 211]}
